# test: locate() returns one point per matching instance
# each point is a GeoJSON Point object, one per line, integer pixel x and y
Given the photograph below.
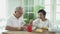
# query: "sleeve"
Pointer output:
{"type": "Point", "coordinates": [51, 26]}
{"type": "Point", "coordinates": [9, 22]}
{"type": "Point", "coordinates": [22, 23]}
{"type": "Point", "coordinates": [34, 25]}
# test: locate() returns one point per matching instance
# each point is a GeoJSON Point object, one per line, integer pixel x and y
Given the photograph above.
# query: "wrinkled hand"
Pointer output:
{"type": "Point", "coordinates": [30, 22]}
{"type": "Point", "coordinates": [20, 28]}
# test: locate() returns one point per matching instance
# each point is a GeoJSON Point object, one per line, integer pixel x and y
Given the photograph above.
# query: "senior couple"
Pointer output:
{"type": "Point", "coordinates": [16, 22]}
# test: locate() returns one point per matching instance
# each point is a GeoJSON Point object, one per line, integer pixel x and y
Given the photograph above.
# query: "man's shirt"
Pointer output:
{"type": "Point", "coordinates": [14, 22]}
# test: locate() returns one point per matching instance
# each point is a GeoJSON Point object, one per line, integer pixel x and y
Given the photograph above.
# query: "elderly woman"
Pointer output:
{"type": "Point", "coordinates": [41, 21]}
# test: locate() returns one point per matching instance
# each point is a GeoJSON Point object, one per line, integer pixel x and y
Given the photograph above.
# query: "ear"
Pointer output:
{"type": "Point", "coordinates": [15, 11]}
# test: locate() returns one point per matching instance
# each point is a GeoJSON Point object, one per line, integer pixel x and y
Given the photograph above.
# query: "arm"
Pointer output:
{"type": "Point", "coordinates": [31, 22]}
{"type": "Point", "coordinates": [34, 24]}
{"type": "Point", "coordinates": [13, 29]}
{"type": "Point", "coordinates": [9, 25]}
{"type": "Point", "coordinates": [51, 26]}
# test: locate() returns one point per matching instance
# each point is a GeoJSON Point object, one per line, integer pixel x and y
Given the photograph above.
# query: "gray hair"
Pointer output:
{"type": "Point", "coordinates": [18, 8]}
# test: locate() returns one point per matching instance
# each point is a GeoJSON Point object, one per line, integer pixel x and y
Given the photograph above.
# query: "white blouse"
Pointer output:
{"type": "Point", "coordinates": [41, 24]}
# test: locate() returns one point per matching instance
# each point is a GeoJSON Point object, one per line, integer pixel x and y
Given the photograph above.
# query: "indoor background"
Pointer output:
{"type": "Point", "coordinates": [30, 9]}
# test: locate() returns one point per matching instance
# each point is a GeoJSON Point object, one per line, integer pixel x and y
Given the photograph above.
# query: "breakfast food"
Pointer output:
{"type": "Point", "coordinates": [38, 30]}
{"type": "Point", "coordinates": [46, 28]}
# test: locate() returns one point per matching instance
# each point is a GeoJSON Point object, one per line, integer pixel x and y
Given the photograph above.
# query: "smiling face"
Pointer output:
{"type": "Point", "coordinates": [19, 13]}
{"type": "Point", "coordinates": [41, 15]}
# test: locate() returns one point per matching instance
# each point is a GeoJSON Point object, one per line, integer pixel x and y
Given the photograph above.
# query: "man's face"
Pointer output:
{"type": "Point", "coordinates": [19, 13]}
{"type": "Point", "coordinates": [41, 15]}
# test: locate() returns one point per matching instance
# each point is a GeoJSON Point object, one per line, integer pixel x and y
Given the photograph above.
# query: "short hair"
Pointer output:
{"type": "Point", "coordinates": [18, 8]}
{"type": "Point", "coordinates": [43, 11]}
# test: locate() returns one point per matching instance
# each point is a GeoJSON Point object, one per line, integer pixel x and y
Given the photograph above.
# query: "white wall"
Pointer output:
{"type": "Point", "coordinates": [12, 4]}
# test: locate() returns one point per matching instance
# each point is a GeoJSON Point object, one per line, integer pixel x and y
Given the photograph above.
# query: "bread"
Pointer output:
{"type": "Point", "coordinates": [46, 28]}
{"type": "Point", "coordinates": [38, 30]}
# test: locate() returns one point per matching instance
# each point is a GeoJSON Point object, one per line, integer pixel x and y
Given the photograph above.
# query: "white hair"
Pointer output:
{"type": "Point", "coordinates": [18, 8]}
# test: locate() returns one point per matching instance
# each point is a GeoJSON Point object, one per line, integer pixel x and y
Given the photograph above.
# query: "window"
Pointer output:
{"type": "Point", "coordinates": [57, 9]}
{"type": "Point", "coordinates": [57, 16]}
{"type": "Point", "coordinates": [47, 8]}
{"type": "Point", "coordinates": [57, 1]}
{"type": "Point", "coordinates": [47, 2]}
{"type": "Point", "coordinates": [30, 4]}
{"type": "Point", "coordinates": [2, 14]}
{"type": "Point", "coordinates": [28, 8]}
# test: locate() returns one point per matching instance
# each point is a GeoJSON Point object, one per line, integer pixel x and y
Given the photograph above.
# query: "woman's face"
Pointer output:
{"type": "Point", "coordinates": [41, 15]}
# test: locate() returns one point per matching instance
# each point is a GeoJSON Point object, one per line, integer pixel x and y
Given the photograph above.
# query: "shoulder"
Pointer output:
{"type": "Point", "coordinates": [10, 17]}
{"type": "Point", "coordinates": [21, 19]}
{"type": "Point", "coordinates": [36, 20]}
{"type": "Point", "coordinates": [49, 21]}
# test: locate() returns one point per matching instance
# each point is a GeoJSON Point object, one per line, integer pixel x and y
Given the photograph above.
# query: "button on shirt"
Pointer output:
{"type": "Point", "coordinates": [14, 22]}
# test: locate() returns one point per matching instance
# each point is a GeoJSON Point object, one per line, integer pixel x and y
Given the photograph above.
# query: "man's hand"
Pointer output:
{"type": "Point", "coordinates": [20, 28]}
{"type": "Point", "coordinates": [10, 28]}
{"type": "Point", "coordinates": [14, 29]}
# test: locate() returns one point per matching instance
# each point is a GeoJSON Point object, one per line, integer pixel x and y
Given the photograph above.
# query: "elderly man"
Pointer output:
{"type": "Point", "coordinates": [16, 22]}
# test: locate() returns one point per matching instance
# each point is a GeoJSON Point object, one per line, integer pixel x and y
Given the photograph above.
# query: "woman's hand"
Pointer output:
{"type": "Point", "coordinates": [30, 22]}
{"type": "Point", "coordinates": [46, 28]}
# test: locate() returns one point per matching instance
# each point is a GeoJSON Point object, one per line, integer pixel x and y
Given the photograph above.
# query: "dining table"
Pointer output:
{"type": "Point", "coordinates": [26, 32]}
